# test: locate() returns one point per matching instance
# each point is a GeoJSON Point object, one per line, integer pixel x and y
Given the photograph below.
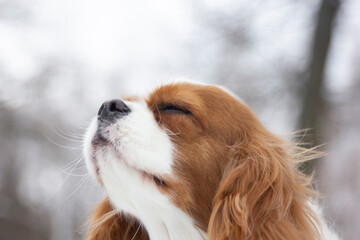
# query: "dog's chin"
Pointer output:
{"type": "Point", "coordinates": [109, 151]}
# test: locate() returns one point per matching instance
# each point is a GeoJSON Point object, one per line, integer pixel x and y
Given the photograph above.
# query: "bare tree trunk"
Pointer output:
{"type": "Point", "coordinates": [312, 100]}
{"type": "Point", "coordinates": [17, 220]}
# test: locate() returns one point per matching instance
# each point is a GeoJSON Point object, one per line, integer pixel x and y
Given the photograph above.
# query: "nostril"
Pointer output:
{"type": "Point", "coordinates": [113, 106]}
{"type": "Point", "coordinates": [101, 109]}
{"type": "Point", "coordinates": [118, 106]}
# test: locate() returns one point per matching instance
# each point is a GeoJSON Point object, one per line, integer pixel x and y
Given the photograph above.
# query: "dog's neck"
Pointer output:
{"type": "Point", "coordinates": [129, 193]}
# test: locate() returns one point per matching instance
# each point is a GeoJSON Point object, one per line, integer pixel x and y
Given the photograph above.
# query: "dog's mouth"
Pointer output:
{"type": "Point", "coordinates": [99, 142]}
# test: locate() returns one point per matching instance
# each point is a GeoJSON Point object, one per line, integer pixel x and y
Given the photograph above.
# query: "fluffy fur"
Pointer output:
{"type": "Point", "coordinates": [203, 168]}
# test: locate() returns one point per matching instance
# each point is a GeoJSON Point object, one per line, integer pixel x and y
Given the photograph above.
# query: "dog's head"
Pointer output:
{"type": "Point", "coordinates": [191, 161]}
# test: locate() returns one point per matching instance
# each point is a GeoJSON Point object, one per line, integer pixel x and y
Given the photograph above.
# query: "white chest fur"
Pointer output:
{"type": "Point", "coordinates": [130, 193]}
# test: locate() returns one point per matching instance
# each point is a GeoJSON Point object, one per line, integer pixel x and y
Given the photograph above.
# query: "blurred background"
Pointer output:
{"type": "Point", "coordinates": [296, 63]}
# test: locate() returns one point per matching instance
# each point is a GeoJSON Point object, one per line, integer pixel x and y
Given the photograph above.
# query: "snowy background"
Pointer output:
{"type": "Point", "coordinates": [59, 60]}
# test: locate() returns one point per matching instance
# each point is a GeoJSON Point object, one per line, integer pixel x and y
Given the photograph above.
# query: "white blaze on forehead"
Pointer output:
{"type": "Point", "coordinates": [140, 141]}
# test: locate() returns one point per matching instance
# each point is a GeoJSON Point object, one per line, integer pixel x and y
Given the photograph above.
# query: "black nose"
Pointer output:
{"type": "Point", "coordinates": [112, 110]}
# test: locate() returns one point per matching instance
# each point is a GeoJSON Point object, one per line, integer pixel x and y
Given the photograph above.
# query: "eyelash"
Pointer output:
{"type": "Point", "coordinates": [172, 109]}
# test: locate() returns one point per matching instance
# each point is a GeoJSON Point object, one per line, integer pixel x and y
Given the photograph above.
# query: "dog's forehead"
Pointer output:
{"type": "Point", "coordinates": [196, 97]}
{"type": "Point", "coordinates": [133, 98]}
{"type": "Point", "coordinates": [179, 92]}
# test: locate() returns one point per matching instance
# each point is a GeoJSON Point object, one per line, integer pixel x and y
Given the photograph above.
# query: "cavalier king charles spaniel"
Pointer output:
{"type": "Point", "coordinates": [191, 162]}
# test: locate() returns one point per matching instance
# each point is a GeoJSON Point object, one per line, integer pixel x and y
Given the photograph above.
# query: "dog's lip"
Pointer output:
{"type": "Point", "coordinates": [99, 141]}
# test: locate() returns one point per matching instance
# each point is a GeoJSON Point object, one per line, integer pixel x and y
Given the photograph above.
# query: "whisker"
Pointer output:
{"type": "Point", "coordinates": [78, 187]}
{"type": "Point", "coordinates": [63, 146]}
{"type": "Point", "coordinates": [69, 164]}
{"type": "Point", "coordinates": [157, 108]}
{"type": "Point", "coordinates": [171, 133]}
{"type": "Point", "coordinates": [75, 136]}
{"type": "Point", "coordinates": [136, 231]}
{"type": "Point", "coordinates": [67, 176]}
{"type": "Point", "coordinates": [75, 175]}
{"type": "Point", "coordinates": [72, 136]}
{"type": "Point", "coordinates": [73, 162]}
{"type": "Point", "coordinates": [73, 168]}
{"type": "Point", "coordinates": [84, 125]}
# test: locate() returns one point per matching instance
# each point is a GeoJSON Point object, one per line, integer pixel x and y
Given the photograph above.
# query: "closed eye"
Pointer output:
{"type": "Point", "coordinates": [173, 109]}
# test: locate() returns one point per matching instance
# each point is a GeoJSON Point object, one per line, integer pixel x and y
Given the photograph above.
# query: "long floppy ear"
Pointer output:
{"type": "Point", "coordinates": [106, 224]}
{"type": "Point", "coordinates": [262, 196]}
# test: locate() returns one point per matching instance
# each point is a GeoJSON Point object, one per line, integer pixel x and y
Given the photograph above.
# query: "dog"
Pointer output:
{"type": "Point", "coordinates": [193, 162]}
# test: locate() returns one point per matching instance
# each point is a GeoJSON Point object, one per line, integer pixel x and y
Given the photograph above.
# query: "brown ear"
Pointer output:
{"type": "Point", "coordinates": [106, 224]}
{"type": "Point", "coordinates": [261, 195]}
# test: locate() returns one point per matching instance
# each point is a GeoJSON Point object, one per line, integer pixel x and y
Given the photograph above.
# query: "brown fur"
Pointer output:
{"type": "Point", "coordinates": [232, 176]}
{"type": "Point", "coordinates": [108, 225]}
